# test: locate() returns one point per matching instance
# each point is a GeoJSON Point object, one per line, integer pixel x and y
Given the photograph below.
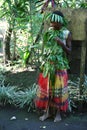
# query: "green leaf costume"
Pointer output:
{"type": "Point", "coordinates": [54, 56]}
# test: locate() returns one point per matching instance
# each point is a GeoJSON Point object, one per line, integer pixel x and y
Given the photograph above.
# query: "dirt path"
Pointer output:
{"type": "Point", "coordinates": [29, 121]}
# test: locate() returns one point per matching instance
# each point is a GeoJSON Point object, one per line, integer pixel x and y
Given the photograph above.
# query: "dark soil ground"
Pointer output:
{"type": "Point", "coordinates": [22, 78]}
{"type": "Point", "coordinates": [30, 121]}
{"type": "Point", "coordinates": [16, 75]}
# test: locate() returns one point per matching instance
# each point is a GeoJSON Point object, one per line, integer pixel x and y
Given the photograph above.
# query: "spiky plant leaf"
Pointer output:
{"type": "Point", "coordinates": [6, 94]}
{"type": "Point", "coordinates": [25, 98]}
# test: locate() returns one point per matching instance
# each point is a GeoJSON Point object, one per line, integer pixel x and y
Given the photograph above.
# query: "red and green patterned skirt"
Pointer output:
{"type": "Point", "coordinates": [53, 95]}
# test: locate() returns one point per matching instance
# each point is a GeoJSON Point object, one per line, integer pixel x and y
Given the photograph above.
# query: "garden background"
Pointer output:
{"type": "Point", "coordinates": [21, 46]}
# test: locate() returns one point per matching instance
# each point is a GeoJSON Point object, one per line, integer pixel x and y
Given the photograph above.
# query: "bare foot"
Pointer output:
{"type": "Point", "coordinates": [57, 118]}
{"type": "Point", "coordinates": [44, 117]}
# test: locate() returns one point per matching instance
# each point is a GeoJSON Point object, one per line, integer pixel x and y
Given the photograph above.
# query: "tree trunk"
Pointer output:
{"type": "Point", "coordinates": [14, 46]}
{"type": "Point", "coordinates": [6, 45]}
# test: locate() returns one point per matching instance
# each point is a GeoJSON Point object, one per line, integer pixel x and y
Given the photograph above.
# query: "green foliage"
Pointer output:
{"type": "Point", "coordinates": [54, 57]}
{"type": "Point", "coordinates": [74, 92]}
{"type": "Point", "coordinates": [15, 8]}
{"type": "Point", "coordinates": [25, 98]}
{"type": "Point", "coordinates": [15, 96]}
{"type": "Point", "coordinates": [66, 3]}
{"type": "Point", "coordinates": [6, 93]}
{"type": "Point", "coordinates": [18, 98]}
{"type": "Point", "coordinates": [24, 16]}
{"type": "Point", "coordinates": [24, 54]}
{"type": "Point", "coordinates": [85, 82]}
{"type": "Point", "coordinates": [2, 77]}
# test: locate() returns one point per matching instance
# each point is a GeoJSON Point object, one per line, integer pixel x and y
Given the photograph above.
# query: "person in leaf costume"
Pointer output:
{"type": "Point", "coordinates": [52, 82]}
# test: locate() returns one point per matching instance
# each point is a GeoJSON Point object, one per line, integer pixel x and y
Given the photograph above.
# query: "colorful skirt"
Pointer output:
{"type": "Point", "coordinates": [53, 95]}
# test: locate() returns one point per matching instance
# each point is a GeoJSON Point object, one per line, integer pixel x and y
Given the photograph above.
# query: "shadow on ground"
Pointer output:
{"type": "Point", "coordinates": [22, 79]}
{"type": "Point", "coordinates": [29, 121]}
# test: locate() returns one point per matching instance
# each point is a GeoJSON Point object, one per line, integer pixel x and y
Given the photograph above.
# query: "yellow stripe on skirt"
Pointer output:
{"type": "Point", "coordinates": [58, 94]}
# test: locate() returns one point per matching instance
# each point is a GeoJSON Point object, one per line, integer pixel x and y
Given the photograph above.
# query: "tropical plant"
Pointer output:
{"type": "Point", "coordinates": [62, 3]}
{"type": "Point", "coordinates": [19, 98]}
{"type": "Point", "coordinates": [22, 16]}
